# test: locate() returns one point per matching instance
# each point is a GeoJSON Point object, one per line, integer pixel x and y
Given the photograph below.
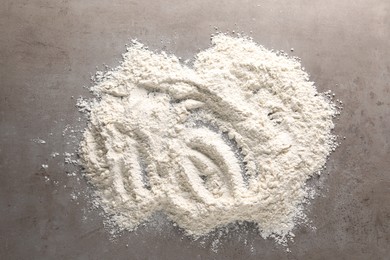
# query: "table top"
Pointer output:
{"type": "Point", "coordinates": [48, 51]}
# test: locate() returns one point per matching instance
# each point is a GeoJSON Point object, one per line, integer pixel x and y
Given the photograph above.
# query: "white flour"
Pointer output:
{"type": "Point", "coordinates": [232, 139]}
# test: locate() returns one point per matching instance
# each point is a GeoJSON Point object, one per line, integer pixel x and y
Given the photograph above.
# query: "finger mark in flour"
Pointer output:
{"type": "Point", "coordinates": [215, 148]}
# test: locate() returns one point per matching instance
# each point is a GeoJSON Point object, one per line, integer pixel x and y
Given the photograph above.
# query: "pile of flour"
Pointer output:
{"type": "Point", "coordinates": [235, 137]}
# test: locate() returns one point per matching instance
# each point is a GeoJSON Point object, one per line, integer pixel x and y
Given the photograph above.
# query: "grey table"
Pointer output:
{"type": "Point", "coordinates": [48, 50]}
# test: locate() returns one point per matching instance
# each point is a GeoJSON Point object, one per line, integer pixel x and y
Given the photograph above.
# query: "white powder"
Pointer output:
{"type": "Point", "coordinates": [39, 141]}
{"type": "Point", "coordinates": [232, 139]}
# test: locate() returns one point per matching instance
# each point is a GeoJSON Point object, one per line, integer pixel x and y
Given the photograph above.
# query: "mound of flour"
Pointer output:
{"type": "Point", "coordinates": [233, 138]}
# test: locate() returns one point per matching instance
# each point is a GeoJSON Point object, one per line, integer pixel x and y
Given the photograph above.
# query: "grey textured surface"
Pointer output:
{"type": "Point", "coordinates": [48, 49]}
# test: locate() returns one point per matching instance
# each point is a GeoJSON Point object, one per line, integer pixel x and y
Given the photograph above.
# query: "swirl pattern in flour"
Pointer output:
{"type": "Point", "coordinates": [234, 138]}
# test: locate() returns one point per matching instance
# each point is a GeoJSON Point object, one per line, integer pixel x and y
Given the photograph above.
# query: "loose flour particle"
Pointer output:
{"type": "Point", "coordinates": [39, 141]}
{"type": "Point", "coordinates": [54, 154]}
{"type": "Point", "coordinates": [234, 138]}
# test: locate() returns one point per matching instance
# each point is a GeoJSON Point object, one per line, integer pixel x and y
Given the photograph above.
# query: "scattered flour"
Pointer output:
{"type": "Point", "coordinates": [234, 138]}
{"type": "Point", "coordinates": [39, 141]}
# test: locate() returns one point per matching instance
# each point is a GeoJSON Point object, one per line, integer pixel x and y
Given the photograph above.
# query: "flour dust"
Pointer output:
{"type": "Point", "coordinates": [234, 138]}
